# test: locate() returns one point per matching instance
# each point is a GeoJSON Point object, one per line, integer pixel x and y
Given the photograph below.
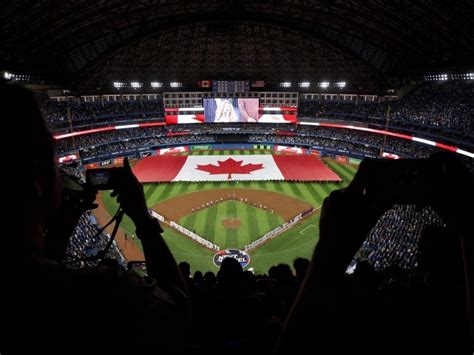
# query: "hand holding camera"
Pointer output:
{"type": "Point", "coordinates": [125, 186]}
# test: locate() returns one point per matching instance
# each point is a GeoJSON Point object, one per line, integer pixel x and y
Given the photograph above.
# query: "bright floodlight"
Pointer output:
{"type": "Point", "coordinates": [175, 84]}
{"type": "Point", "coordinates": [324, 84]}
{"type": "Point", "coordinates": [7, 75]}
{"type": "Point", "coordinates": [135, 84]}
{"type": "Point", "coordinates": [285, 84]}
{"type": "Point", "coordinates": [118, 84]}
{"type": "Point", "coordinates": [470, 76]}
{"type": "Point", "coordinates": [304, 84]}
{"type": "Point", "coordinates": [341, 84]}
{"type": "Point", "coordinates": [156, 84]}
{"type": "Point", "coordinates": [444, 76]}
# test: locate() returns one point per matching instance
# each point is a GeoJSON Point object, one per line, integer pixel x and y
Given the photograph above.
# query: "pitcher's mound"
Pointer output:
{"type": "Point", "coordinates": [231, 223]}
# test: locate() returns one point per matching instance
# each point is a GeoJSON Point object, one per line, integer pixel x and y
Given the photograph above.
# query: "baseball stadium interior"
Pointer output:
{"type": "Point", "coordinates": [229, 176]}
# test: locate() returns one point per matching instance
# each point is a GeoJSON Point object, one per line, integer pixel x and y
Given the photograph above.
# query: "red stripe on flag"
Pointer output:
{"type": "Point", "coordinates": [304, 168]}
{"type": "Point", "coordinates": [159, 168]}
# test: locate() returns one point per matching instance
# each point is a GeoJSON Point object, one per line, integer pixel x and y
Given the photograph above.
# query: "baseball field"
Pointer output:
{"type": "Point", "coordinates": [233, 214]}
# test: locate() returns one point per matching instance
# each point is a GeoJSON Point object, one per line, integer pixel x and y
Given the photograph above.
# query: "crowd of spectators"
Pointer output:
{"type": "Point", "coordinates": [430, 107]}
{"type": "Point", "coordinates": [394, 239]}
{"type": "Point", "coordinates": [256, 306]}
{"type": "Point", "coordinates": [344, 140]}
{"type": "Point", "coordinates": [86, 242]}
{"type": "Point", "coordinates": [335, 140]}
{"type": "Point", "coordinates": [61, 115]}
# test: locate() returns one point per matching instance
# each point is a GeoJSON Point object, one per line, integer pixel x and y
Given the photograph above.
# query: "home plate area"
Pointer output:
{"type": "Point", "coordinates": [231, 217]}
{"type": "Point", "coordinates": [234, 221]}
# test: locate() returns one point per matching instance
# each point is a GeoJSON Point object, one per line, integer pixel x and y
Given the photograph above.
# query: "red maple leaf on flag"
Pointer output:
{"type": "Point", "coordinates": [229, 166]}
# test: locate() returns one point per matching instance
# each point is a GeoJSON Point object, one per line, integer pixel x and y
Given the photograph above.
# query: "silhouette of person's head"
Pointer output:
{"type": "Point", "coordinates": [230, 273]}
{"type": "Point", "coordinates": [185, 269]}
{"type": "Point", "coordinates": [210, 278]}
{"type": "Point", "coordinates": [43, 188]}
{"type": "Point", "coordinates": [198, 277]}
{"type": "Point", "coordinates": [273, 272]}
{"type": "Point", "coordinates": [284, 272]}
{"type": "Point", "coordinates": [300, 265]}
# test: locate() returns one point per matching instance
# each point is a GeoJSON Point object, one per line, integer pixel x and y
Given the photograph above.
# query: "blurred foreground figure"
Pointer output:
{"type": "Point", "coordinates": [425, 312]}
{"type": "Point", "coordinates": [67, 310]}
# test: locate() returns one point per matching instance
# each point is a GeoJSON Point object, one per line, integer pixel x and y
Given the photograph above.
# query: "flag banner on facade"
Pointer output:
{"type": "Point", "coordinates": [204, 83]}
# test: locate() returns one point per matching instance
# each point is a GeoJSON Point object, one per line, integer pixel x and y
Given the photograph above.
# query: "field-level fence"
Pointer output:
{"type": "Point", "coordinates": [204, 242]}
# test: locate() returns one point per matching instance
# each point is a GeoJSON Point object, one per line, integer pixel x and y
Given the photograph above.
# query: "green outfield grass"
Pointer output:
{"type": "Point", "coordinates": [298, 241]}
{"type": "Point", "coordinates": [254, 223]}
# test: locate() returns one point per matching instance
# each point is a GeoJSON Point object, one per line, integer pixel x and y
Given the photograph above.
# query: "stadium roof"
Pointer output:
{"type": "Point", "coordinates": [91, 43]}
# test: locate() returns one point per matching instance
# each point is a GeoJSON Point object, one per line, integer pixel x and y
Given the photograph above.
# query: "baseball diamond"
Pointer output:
{"type": "Point", "coordinates": [186, 204]}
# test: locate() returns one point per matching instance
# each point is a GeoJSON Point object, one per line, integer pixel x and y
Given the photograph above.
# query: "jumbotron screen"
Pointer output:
{"type": "Point", "coordinates": [220, 110]}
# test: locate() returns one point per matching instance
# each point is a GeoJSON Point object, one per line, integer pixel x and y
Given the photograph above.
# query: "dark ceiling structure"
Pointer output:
{"type": "Point", "coordinates": [91, 43]}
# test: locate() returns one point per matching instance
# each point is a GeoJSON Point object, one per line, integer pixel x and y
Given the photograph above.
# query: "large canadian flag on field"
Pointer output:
{"type": "Point", "coordinates": [233, 168]}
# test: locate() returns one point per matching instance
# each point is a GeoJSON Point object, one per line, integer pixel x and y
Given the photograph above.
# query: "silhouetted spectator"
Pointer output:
{"type": "Point", "coordinates": [67, 306]}
{"type": "Point", "coordinates": [327, 313]}
{"type": "Point", "coordinates": [300, 265]}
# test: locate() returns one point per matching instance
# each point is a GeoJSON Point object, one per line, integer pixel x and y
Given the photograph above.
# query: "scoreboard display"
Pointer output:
{"type": "Point", "coordinates": [231, 109]}
{"type": "Point", "coordinates": [221, 110]}
{"type": "Point", "coordinates": [241, 86]}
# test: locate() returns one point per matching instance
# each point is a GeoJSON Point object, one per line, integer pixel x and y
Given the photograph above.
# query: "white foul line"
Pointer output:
{"type": "Point", "coordinates": [307, 227]}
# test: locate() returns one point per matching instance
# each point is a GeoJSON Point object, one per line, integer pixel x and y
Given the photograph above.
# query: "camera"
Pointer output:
{"type": "Point", "coordinates": [404, 181]}
{"type": "Point", "coordinates": [101, 178]}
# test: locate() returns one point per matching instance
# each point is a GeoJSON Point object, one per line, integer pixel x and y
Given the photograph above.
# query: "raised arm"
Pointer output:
{"type": "Point", "coordinates": [161, 264]}
{"type": "Point", "coordinates": [315, 319]}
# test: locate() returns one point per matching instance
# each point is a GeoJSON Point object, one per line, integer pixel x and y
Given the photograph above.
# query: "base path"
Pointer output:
{"type": "Point", "coordinates": [183, 205]}
{"type": "Point", "coordinates": [128, 247]}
